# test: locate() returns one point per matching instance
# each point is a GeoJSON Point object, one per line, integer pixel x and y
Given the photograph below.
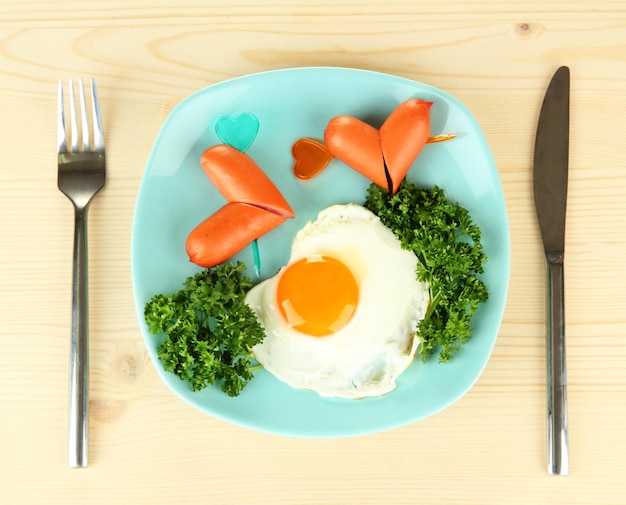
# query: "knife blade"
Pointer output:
{"type": "Point", "coordinates": [550, 176]}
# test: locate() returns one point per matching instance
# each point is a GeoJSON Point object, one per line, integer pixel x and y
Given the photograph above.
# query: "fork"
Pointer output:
{"type": "Point", "coordinates": [81, 175]}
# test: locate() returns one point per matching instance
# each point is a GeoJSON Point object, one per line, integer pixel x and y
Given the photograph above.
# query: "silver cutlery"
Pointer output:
{"type": "Point", "coordinates": [550, 176]}
{"type": "Point", "coordinates": [81, 175]}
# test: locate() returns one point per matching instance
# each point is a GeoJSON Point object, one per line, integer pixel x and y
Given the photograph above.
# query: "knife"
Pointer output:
{"type": "Point", "coordinates": [550, 188]}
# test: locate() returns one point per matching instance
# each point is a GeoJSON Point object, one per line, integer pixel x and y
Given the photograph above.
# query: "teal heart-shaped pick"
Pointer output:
{"type": "Point", "coordinates": [237, 131]}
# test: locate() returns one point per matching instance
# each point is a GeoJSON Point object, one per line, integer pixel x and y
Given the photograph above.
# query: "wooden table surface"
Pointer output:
{"type": "Point", "coordinates": [147, 446]}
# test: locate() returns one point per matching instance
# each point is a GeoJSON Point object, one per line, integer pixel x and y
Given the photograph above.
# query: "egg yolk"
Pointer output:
{"type": "Point", "coordinates": [317, 295]}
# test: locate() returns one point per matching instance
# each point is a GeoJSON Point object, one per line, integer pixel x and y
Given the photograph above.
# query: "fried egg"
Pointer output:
{"type": "Point", "coordinates": [340, 317]}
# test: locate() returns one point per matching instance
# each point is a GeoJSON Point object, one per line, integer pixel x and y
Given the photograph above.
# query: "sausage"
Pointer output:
{"type": "Point", "coordinates": [357, 144]}
{"type": "Point", "coordinates": [228, 231]}
{"type": "Point", "coordinates": [240, 179]}
{"type": "Point", "coordinates": [402, 137]}
{"type": "Point", "coordinates": [385, 155]}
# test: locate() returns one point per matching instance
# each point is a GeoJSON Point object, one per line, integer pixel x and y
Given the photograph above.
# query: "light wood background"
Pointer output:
{"type": "Point", "coordinates": [148, 447]}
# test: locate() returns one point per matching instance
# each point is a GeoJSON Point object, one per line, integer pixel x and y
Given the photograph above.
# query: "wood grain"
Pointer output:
{"type": "Point", "coordinates": [147, 447]}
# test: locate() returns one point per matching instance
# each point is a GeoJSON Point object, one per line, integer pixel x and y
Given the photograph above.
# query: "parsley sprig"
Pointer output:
{"type": "Point", "coordinates": [451, 258]}
{"type": "Point", "coordinates": [209, 329]}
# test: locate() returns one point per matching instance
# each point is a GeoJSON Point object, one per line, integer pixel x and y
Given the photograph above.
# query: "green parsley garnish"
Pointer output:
{"type": "Point", "coordinates": [447, 244]}
{"type": "Point", "coordinates": [209, 329]}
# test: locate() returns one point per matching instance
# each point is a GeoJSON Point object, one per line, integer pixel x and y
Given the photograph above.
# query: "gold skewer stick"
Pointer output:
{"type": "Point", "coordinates": [440, 138]}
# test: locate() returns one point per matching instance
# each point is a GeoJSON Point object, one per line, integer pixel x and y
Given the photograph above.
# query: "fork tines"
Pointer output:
{"type": "Point", "coordinates": [83, 141]}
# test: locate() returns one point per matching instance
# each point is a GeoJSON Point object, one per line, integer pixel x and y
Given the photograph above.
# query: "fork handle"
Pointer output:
{"type": "Point", "coordinates": [79, 347]}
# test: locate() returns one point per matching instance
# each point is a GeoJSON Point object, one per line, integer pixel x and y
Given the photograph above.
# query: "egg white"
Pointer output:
{"type": "Point", "coordinates": [366, 356]}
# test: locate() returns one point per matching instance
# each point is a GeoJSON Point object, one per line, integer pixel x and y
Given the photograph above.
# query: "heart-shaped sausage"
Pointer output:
{"type": "Point", "coordinates": [255, 206]}
{"type": "Point", "coordinates": [384, 156]}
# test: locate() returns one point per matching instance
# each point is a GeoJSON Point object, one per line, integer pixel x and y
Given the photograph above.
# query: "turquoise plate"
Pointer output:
{"type": "Point", "coordinates": [175, 196]}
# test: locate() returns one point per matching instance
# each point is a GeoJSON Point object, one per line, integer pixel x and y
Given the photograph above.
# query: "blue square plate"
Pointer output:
{"type": "Point", "coordinates": [175, 196]}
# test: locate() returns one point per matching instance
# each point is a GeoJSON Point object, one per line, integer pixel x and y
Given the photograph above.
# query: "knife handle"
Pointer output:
{"type": "Point", "coordinates": [558, 463]}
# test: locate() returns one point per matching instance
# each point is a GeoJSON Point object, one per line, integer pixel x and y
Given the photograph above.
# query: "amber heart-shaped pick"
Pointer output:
{"type": "Point", "coordinates": [311, 157]}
